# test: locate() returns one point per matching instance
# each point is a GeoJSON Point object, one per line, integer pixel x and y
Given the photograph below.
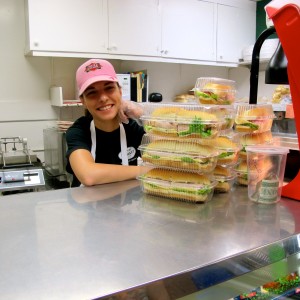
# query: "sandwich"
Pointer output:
{"type": "Point", "coordinates": [180, 185]}
{"type": "Point", "coordinates": [242, 173]}
{"type": "Point", "coordinates": [163, 121]}
{"type": "Point", "coordinates": [226, 113]}
{"type": "Point", "coordinates": [180, 122]}
{"type": "Point", "coordinates": [254, 139]}
{"type": "Point", "coordinates": [228, 150]}
{"type": "Point", "coordinates": [224, 177]}
{"type": "Point", "coordinates": [180, 155]}
{"type": "Point", "coordinates": [214, 93]}
{"type": "Point", "coordinates": [257, 119]}
{"type": "Point", "coordinates": [197, 124]}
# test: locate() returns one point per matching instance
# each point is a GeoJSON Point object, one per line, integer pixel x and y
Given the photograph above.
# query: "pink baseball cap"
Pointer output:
{"type": "Point", "coordinates": [92, 71]}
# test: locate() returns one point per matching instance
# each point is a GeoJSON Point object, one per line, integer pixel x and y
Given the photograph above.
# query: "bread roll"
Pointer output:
{"type": "Point", "coordinates": [224, 177]}
{"type": "Point", "coordinates": [214, 93]}
{"type": "Point", "coordinates": [257, 119]}
{"type": "Point", "coordinates": [180, 155]}
{"type": "Point", "coordinates": [168, 112]}
{"type": "Point", "coordinates": [242, 173]}
{"type": "Point", "coordinates": [222, 172]}
{"type": "Point", "coordinates": [180, 122]}
{"type": "Point", "coordinates": [185, 114]}
{"type": "Point", "coordinates": [222, 187]}
{"type": "Point", "coordinates": [228, 150]}
{"type": "Point", "coordinates": [185, 186]}
{"type": "Point", "coordinates": [254, 139]}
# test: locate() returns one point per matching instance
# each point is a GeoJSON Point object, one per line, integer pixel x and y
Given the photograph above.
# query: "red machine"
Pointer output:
{"type": "Point", "coordinates": [286, 18]}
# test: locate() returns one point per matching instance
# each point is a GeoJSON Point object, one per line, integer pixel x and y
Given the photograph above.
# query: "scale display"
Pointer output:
{"type": "Point", "coordinates": [21, 179]}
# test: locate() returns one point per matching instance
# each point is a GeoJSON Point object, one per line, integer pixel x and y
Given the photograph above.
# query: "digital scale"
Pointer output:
{"type": "Point", "coordinates": [19, 168]}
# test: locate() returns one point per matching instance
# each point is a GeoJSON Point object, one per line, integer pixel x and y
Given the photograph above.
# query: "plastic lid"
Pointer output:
{"type": "Point", "coordinates": [254, 111]}
{"type": "Point", "coordinates": [268, 149]}
{"type": "Point", "coordinates": [224, 84]}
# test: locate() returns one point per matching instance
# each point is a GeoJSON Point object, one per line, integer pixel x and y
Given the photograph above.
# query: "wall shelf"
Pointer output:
{"type": "Point", "coordinates": [56, 97]}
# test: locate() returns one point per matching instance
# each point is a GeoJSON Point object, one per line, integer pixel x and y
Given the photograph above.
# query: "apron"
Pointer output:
{"type": "Point", "coordinates": [123, 142]}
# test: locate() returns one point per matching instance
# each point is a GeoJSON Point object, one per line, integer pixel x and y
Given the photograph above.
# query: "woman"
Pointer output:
{"type": "Point", "coordinates": [100, 148]}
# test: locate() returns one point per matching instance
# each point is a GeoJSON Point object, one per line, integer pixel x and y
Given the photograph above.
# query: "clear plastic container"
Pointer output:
{"type": "Point", "coordinates": [266, 166]}
{"type": "Point", "coordinates": [183, 121]}
{"type": "Point", "coordinates": [228, 150]}
{"type": "Point", "coordinates": [250, 139]}
{"type": "Point", "coordinates": [226, 113]}
{"type": "Point", "coordinates": [242, 173]}
{"type": "Point", "coordinates": [253, 118]}
{"type": "Point", "coordinates": [179, 185]}
{"type": "Point", "coordinates": [225, 178]}
{"type": "Point", "coordinates": [212, 90]}
{"type": "Point", "coordinates": [178, 154]}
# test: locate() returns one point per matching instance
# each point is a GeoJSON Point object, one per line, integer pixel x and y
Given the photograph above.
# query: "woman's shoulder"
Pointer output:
{"type": "Point", "coordinates": [81, 124]}
{"type": "Point", "coordinates": [134, 126]}
{"type": "Point", "coordinates": [134, 129]}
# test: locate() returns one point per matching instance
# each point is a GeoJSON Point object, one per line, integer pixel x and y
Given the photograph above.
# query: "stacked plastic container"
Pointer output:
{"type": "Point", "coordinates": [220, 94]}
{"type": "Point", "coordinates": [253, 123]}
{"type": "Point", "coordinates": [177, 145]}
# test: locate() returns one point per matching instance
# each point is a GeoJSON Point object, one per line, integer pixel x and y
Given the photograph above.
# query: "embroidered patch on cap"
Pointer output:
{"type": "Point", "coordinates": [93, 67]}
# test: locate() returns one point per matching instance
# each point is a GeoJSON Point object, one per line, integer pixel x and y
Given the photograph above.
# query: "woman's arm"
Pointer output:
{"type": "Point", "coordinates": [90, 173]}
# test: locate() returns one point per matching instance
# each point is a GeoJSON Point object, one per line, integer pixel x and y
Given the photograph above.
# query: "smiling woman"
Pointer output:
{"type": "Point", "coordinates": [101, 148]}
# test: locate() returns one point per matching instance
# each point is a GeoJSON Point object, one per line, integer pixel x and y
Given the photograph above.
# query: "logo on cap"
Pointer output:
{"type": "Point", "coordinates": [93, 67]}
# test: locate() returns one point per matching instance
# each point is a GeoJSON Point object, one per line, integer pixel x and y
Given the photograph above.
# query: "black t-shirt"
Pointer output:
{"type": "Point", "coordinates": [108, 146]}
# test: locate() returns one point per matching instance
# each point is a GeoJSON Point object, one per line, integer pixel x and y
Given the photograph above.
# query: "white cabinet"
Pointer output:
{"type": "Point", "coordinates": [188, 29]}
{"type": "Point", "coordinates": [134, 27]}
{"type": "Point", "coordinates": [235, 30]}
{"type": "Point", "coordinates": [191, 31]}
{"type": "Point", "coordinates": [67, 26]}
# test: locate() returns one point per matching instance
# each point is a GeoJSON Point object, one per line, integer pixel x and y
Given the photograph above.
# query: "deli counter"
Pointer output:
{"type": "Point", "coordinates": [113, 241]}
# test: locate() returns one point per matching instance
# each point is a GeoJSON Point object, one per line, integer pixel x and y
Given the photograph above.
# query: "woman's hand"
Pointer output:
{"type": "Point", "coordinates": [129, 110]}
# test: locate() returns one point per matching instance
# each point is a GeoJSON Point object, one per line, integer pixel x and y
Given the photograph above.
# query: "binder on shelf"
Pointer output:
{"type": "Point", "coordinates": [133, 88]}
{"type": "Point", "coordinates": [139, 86]}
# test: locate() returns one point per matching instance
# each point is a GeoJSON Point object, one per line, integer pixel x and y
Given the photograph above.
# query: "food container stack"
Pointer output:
{"type": "Point", "coordinates": [229, 148]}
{"type": "Point", "coordinates": [220, 94]}
{"type": "Point", "coordinates": [253, 123]}
{"type": "Point", "coordinates": [177, 144]}
{"type": "Point", "coordinates": [211, 90]}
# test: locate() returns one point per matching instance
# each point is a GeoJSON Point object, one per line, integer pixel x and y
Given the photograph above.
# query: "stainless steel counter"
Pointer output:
{"type": "Point", "coordinates": [86, 243]}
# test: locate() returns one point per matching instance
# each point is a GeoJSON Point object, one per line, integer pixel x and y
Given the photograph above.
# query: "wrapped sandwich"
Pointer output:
{"type": "Point", "coordinates": [181, 122]}
{"type": "Point", "coordinates": [213, 93]}
{"type": "Point", "coordinates": [254, 118]}
{"type": "Point", "coordinates": [225, 178]}
{"type": "Point", "coordinates": [210, 90]}
{"type": "Point", "coordinates": [179, 154]}
{"type": "Point", "coordinates": [259, 138]}
{"type": "Point", "coordinates": [180, 185]}
{"type": "Point", "coordinates": [228, 150]}
{"type": "Point", "coordinates": [242, 173]}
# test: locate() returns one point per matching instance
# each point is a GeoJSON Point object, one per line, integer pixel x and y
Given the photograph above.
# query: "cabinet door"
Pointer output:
{"type": "Point", "coordinates": [235, 30]}
{"type": "Point", "coordinates": [67, 26]}
{"type": "Point", "coordinates": [188, 29]}
{"type": "Point", "coordinates": [134, 27]}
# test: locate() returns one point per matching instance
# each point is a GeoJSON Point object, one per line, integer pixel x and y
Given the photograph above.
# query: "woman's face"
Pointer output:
{"type": "Point", "coordinates": [103, 100]}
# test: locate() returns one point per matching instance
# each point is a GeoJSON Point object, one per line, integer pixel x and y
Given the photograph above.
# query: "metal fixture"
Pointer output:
{"type": "Point", "coordinates": [19, 167]}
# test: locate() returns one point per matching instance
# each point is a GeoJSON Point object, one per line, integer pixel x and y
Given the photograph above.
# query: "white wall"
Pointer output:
{"type": "Point", "coordinates": [25, 108]}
